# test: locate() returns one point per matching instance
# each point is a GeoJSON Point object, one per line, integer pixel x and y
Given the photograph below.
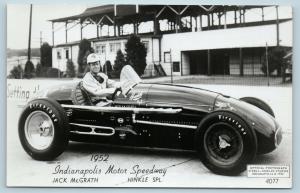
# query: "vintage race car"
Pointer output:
{"type": "Point", "coordinates": [226, 132]}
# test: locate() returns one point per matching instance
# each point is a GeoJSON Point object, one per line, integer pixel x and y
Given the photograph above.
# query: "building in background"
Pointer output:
{"type": "Point", "coordinates": [181, 39]}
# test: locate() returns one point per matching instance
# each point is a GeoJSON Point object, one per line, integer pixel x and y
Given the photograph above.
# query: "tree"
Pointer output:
{"type": "Point", "coordinates": [46, 55]}
{"type": "Point", "coordinates": [29, 70]}
{"type": "Point", "coordinates": [53, 73]}
{"type": "Point", "coordinates": [84, 50]}
{"type": "Point", "coordinates": [119, 63]}
{"type": "Point", "coordinates": [107, 68]}
{"type": "Point", "coordinates": [136, 54]}
{"type": "Point", "coordinates": [276, 60]}
{"type": "Point", "coordinates": [70, 72]}
{"type": "Point", "coordinates": [16, 72]}
{"type": "Point", "coordinates": [39, 70]}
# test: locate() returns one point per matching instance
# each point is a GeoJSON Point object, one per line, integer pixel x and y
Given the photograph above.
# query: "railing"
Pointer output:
{"type": "Point", "coordinates": [154, 69]}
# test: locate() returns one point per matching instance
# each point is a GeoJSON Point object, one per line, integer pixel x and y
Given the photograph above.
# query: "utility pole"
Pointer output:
{"type": "Point", "coordinates": [52, 34]}
{"type": "Point", "coordinates": [171, 63]}
{"type": "Point", "coordinates": [29, 39]}
{"type": "Point", "coordinates": [66, 31]}
{"type": "Point", "coordinates": [267, 63]}
{"type": "Point", "coordinates": [277, 26]}
{"type": "Point", "coordinates": [41, 38]}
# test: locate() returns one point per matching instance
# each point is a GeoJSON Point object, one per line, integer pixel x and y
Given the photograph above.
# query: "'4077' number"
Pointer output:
{"type": "Point", "coordinates": [272, 180]}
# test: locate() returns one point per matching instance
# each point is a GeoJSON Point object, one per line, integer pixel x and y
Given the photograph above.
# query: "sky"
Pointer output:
{"type": "Point", "coordinates": [18, 23]}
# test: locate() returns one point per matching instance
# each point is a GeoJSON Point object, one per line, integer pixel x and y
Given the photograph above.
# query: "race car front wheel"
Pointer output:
{"type": "Point", "coordinates": [226, 143]}
{"type": "Point", "coordinates": [43, 129]}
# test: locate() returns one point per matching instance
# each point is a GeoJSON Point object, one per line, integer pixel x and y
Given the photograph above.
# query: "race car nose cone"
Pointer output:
{"type": "Point", "coordinates": [278, 136]}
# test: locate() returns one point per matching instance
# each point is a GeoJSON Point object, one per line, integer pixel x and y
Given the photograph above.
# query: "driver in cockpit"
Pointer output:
{"type": "Point", "coordinates": [98, 85]}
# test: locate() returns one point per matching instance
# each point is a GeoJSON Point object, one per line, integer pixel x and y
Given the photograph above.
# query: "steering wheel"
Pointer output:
{"type": "Point", "coordinates": [129, 89]}
{"type": "Point", "coordinates": [117, 92]}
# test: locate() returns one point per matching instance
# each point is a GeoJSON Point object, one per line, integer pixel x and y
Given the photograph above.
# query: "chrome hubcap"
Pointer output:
{"type": "Point", "coordinates": [223, 143]}
{"type": "Point", "coordinates": [39, 130]}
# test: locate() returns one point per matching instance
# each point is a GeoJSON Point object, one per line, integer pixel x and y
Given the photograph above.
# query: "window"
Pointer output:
{"type": "Point", "coordinates": [146, 44]}
{"type": "Point", "coordinates": [100, 48]}
{"type": "Point", "coordinates": [167, 57]}
{"type": "Point", "coordinates": [114, 47]}
{"type": "Point", "coordinates": [67, 53]}
{"type": "Point", "coordinates": [176, 67]}
{"type": "Point", "coordinates": [58, 55]}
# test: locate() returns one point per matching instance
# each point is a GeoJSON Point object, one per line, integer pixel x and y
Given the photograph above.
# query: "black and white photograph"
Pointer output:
{"type": "Point", "coordinates": [149, 95]}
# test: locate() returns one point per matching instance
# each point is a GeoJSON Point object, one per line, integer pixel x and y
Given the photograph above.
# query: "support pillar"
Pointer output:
{"type": "Point", "coordinates": [196, 24]}
{"type": "Point", "coordinates": [240, 12]}
{"type": "Point", "coordinates": [208, 63]}
{"type": "Point", "coordinates": [208, 21]}
{"type": "Point", "coordinates": [241, 62]}
{"type": "Point", "coordinates": [97, 31]}
{"type": "Point", "coordinates": [200, 24]}
{"type": "Point", "coordinates": [262, 14]}
{"type": "Point", "coordinates": [191, 23]}
{"type": "Point", "coordinates": [156, 27]}
{"type": "Point", "coordinates": [119, 30]}
{"type": "Point", "coordinates": [135, 28]}
{"type": "Point", "coordinates": [115, 31]}
{"type": "Point", "coordinates": [225, 17]}
{"type": "Point", "coordinates": [235, 17]}
{"type": "Point", "coordinates": [100, 29]}
{"type": "Point", "coordinates": [178, 25]}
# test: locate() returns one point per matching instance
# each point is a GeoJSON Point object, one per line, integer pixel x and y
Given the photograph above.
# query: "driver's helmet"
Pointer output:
{"type": "Point", "coordinates": [92, 58]}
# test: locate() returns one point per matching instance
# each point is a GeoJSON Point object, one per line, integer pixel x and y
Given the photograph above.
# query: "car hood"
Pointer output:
{"type": "Point", "coordinates": [181, 96]}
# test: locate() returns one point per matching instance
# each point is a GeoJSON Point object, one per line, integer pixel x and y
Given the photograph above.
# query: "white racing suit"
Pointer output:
{"type": "Point", "coordinates": [99, 91]}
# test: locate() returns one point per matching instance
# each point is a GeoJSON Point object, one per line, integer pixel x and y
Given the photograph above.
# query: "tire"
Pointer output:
{"type": "Point", "coordinates": [260, 104]}
{"type": "Point", "coordinates": [44, 129]}
{"type": "Point", "coordinates": [225, 142]}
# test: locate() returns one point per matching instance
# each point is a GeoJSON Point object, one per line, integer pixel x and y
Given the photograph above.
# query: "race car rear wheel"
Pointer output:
{"type": "Point", "coordinates": [226, 143]}
{"type": "Point", "coordinates": [43, 129]}
{"type": "Point", "coordinates": [259, 103]}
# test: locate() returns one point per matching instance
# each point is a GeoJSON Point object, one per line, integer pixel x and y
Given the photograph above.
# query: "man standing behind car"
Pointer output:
{"type": "Point", "coordinates": [97, 83]}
